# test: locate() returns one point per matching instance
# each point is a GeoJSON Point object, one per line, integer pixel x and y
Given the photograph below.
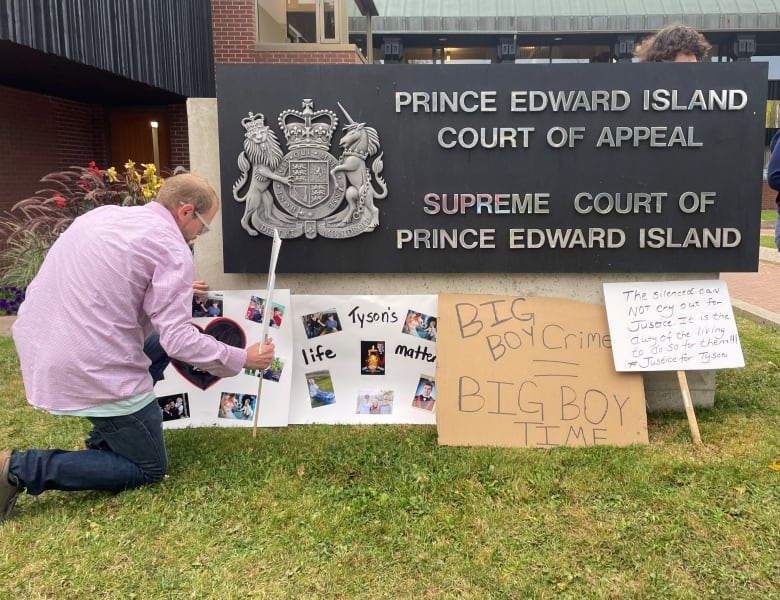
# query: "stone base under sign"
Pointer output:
{"type": "Point", "coordinates": [662, 390]}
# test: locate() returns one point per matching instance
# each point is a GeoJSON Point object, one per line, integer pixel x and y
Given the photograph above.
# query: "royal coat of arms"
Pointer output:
{"type": "Point", "coordinates": [308, 191]}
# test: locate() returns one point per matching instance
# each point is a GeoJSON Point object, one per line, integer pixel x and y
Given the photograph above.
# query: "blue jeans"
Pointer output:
{"type": "Point", "coordinates": [135, 455]}
{"type": "Point", "coordinates": [123, 452]}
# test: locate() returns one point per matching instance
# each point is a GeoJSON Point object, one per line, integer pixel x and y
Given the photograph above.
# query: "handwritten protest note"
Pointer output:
{"type": "Point", "coordinates": [532, 372]}
{"type": "Point", "coordinates": [672, 326]}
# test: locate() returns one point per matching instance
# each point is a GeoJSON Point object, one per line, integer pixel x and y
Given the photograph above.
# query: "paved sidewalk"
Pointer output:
{"type": "Point", "coordinates": [757, 295]}
{"type": "Point", "coordinates": [5, 325]}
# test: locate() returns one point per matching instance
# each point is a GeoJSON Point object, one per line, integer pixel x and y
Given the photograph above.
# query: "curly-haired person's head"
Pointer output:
{"type": "Point", "coordinates": [673, 43]}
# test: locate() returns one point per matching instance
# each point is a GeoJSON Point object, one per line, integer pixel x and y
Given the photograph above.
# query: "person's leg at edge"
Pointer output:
{"type": "Point", "coordinates": [136, 456]}
{"type": "Point", "coordinates": [777, 228]}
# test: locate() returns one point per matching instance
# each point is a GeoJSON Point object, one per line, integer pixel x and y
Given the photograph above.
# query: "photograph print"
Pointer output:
{"type": "Point", "coordinates": [174, 406]}
{"type": "Point", "coordinates": [372, 357]}
{"type": "Point", "coordinates": [214, 305]}
{"type": "Point", "coordinates": [425, 394]}
{"type": "Point", "coordinates": [237, 406]}
{"type": "Point", "coordinates": [254, 310]}
{"type": "Point", "coordinates": [374, 402]}
{"type": "Point", "coordinates": [272, 373]}
{"type": "Point", "coordinates": [321, 323]}
{"type": "Point", "coordinates": [420, 325]}
{"type": "Point", "coordinates": [320, 386]}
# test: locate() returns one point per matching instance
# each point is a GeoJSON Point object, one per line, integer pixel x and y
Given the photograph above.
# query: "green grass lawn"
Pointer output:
{"type": "Point", "coordinates": [768, 241]}
{"type": "Point", "coordinates": [384, 512]}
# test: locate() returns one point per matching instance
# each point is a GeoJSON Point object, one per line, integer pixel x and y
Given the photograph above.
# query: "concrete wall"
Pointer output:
{"type": "Point", "coordinates": [661, 389]}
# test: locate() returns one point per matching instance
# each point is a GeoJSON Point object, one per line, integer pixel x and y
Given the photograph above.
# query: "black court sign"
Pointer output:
{"type": "Point", "coordinates": [492, 168]}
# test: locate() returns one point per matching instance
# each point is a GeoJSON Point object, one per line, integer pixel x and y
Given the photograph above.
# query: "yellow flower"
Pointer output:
{"type": "Point", "coordinates": [141, 185]}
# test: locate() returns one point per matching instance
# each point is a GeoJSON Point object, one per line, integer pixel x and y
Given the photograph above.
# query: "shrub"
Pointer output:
{"type": "Point", "coordinates": [33, 224]}
{"type": "Point", "coordinates": [10, 299]}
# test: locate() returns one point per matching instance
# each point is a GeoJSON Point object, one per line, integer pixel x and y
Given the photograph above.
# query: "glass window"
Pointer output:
{"type": "Point", "coordinates": [300, 21]}
{"type": "Point", "coordinates": [271, 22]}
{"type": "Point", "coordinates": [329, 17]}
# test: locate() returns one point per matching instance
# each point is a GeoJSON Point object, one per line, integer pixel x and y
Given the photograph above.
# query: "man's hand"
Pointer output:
{"type": "Point", "coordinates": [260, 356]}
{"type": "Point", "coordinates": [199, 287]}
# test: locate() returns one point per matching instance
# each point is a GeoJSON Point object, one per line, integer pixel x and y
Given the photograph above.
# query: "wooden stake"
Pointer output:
{"type": "Point", "coordinates": [686, 394]}
{"type": "Point", "coordinates": [267, 312]}
{"type": "Point", "coordinates": [259, 391]}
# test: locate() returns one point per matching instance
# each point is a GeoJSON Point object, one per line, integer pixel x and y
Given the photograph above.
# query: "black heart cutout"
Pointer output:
{"type": "Point", "coordinates": [226, 331]}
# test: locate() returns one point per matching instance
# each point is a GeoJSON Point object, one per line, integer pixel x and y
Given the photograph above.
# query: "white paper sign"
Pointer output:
{"type": "Point", "coordinates": [364, 359]}
{"type": "Point", "coordinates": [672, 326]}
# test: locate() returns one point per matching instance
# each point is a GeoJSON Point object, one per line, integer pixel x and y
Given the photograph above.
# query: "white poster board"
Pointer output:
{"type": "Point", "coordinates": [672, 326]}
{"type": "Point", "coordinates": [364, 359]}
{"type": "Point", "coordinates": [192, 398]}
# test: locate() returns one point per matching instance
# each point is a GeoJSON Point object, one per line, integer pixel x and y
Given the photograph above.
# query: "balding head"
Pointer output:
{"type": "Point", "coordinates": [191, 201]}
{"type": "Point", "coordinates": [189, 189]}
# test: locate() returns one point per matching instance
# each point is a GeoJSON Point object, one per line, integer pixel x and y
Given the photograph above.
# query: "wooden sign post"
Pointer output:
{"type": "Point", "coordinates": [673, 326]}
{"type": "Point", "coordinates": [277, 245]}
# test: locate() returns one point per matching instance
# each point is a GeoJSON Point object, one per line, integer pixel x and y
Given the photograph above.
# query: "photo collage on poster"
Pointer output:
{"type": "Point", "coordinates": [190, 396]}
{"type": "Point", "coordinates": [339, 359]}
{"type": "Point", "coordinates": [364, 359]}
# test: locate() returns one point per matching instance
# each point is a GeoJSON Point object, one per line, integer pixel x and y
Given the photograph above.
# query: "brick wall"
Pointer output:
{"type": "Point", "coordinates": [40, 134]}
{"type": "Point", "coordinates": [308, 58]}
{"type": "Point", "coordinates": [179, 138]}
{"type": "Point", "coordinates": [234, 30]}
{"type": "Point", "coordinates": [79, 132]}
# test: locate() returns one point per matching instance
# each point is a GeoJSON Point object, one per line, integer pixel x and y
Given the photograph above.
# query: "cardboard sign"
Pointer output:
{"type": "Point", "coordinates": [672, 326]}
{"type": "Point", "coordinates": [532, 372]}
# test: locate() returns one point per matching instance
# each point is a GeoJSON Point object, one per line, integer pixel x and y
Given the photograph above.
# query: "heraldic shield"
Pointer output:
{"type": "Point", "coordinates": [308, 191]}
{"type": "Point", "coordinates": [309, 181]}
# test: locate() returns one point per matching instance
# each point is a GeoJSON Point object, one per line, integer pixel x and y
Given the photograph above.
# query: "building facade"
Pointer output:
{"type": "Point", "coordinates": [82, 81]}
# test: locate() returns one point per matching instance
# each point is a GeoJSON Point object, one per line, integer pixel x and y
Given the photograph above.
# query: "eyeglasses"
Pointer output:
{"type": "Point", "coordinates": [200, 218]}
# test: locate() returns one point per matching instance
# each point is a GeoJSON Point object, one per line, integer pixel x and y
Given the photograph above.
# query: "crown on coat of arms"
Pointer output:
{"type": "Point", "coordinates": [308, 127]}
{"type": "Point", "coordinates": [254, 122]}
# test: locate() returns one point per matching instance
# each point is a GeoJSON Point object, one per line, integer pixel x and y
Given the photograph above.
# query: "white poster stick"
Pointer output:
{"type": "Point", "coordinates": [686, 394]}
{"type": "Point", "coordinates": [267, 312]}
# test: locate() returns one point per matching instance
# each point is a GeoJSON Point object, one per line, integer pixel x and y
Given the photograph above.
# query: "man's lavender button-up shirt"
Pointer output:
{"type": "Point", "coordinates": [114, 275]}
